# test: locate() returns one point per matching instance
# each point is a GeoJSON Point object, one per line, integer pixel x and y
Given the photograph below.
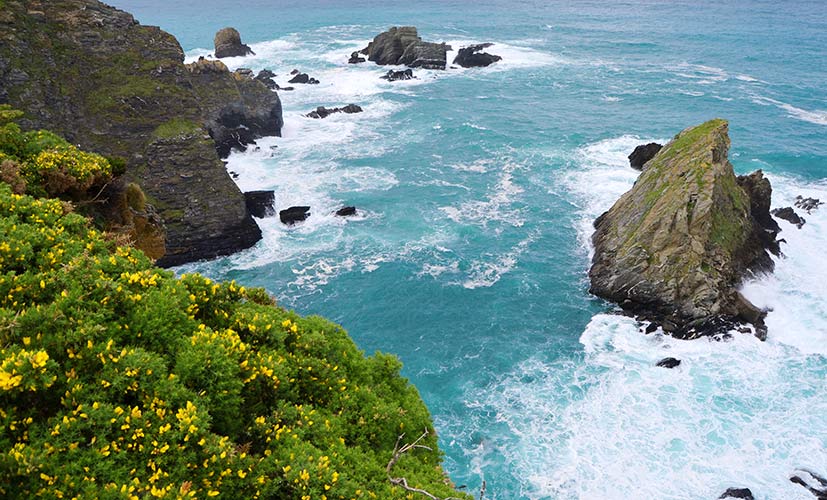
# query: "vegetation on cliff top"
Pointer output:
{"type": "Point", "coordinates": [119, 380]}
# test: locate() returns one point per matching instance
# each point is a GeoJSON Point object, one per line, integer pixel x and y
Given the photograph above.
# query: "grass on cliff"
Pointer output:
{"type": "Point", "coordinates": [176, 127]}
{"type": "Point", "coordinates": [120, 380]}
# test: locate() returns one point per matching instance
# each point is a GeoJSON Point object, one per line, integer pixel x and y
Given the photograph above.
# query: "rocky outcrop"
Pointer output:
{"type": "Point", "coordinates": [402, 45]}
{"type": "Point", "coordinates": [392, 75]}
{"type": "Point", "coordinates": [642, 154]}
{"type": "Point", "coordinates": [260, 203]}
{"type": "Point", "coordinates": [266, 76]}
{"type": "Point", "coordinates": [675, 247]}
{"type": "Point", "coordinates": [474, 57]}
{"type": "Point", "coordinates": [303, 78]}
{"type": "Point", "coordinates": [759, 192]}
{"type": "Point", "coordinates": [323, 112]}
{"type": "Point", "coordinates": [789, 215]}
{"type": "Point", "coordinates": [293, 215]}
{"type": "Point", "coordinates": [95, 75]}
{"type": "Point", "coordinates": [228, 44]}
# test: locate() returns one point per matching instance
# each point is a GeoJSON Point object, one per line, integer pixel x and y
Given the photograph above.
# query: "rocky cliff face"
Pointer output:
{"type": "Point", "coordinates": [674, 248]}
{"type": "Point", "coordinates": [95, 75]}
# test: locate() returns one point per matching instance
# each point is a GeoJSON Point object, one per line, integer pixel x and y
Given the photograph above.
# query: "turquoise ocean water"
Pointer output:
{"type": "Point", "coordinates": [476, 190]}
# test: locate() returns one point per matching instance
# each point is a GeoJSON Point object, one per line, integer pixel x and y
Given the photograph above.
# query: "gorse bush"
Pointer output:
{"type": "Point", "coordinates": [44, 164]}
{"type": "Point", "coordinates": [119, 380]}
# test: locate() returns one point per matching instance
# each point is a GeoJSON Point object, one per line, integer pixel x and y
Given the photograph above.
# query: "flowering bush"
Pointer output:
{"type": "Point", "coordinates": [119, 380]}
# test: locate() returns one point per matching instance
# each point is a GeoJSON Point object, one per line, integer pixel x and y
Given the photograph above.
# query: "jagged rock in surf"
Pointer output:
{"type": "Point", "coordinates": [266, 76]}
{"type": "Point", "coordinates": [675, 247]}
{"type": "Point", "coordinates": [355, 58]}
{"type": "Point", "coordinates": [808, 204]}
{"type": "Point", "coordinates": [228, 44]}
{"type": "Point", "coordinates": [346, 211]}
{"type": "Point", "coordinates": [814, 483]}
{"type": "Point", "coordinates": [303, 78]}
{"type": "Point", "coordinates": [473, 57]}
{"type": "Point", "coordinates": [293, 215]}
{"type": "Point", "coordinates": [789, 215]}
{"type": "Point", "coordinates": [642, 154]}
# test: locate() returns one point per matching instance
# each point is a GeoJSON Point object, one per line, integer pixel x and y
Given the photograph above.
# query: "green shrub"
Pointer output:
{"type": "Point", "coordinates": [120, 380]}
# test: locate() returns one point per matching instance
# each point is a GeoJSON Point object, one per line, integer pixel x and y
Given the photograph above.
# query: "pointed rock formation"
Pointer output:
{"type": "Point", "coordinates": [675, 247]}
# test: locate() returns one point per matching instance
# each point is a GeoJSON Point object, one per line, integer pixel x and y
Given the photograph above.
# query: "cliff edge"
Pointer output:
{"type": "Point", "coordinates": [95, 75]}
{"type": "Point", "coordinates": [674, 248]}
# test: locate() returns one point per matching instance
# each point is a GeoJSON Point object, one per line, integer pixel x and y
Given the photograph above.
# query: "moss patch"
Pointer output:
{"type": "Point", "coordinates": [175, 128]}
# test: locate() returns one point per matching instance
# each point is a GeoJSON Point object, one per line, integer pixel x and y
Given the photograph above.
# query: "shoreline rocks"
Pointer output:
{"type": "Point", "coordinates": [303, 78]}
{"type": "Point", "coordinates": [642, 154]}
{"type": "Point", "coordinates": [346, 211]}
{"type": "Point", "coordinates": [789, 215]}
{"type": "Point", "coordinates": [807, 204]}
{"type": "Point", "coordinates": [473, 57]}
{"type": "Point", "coordinates": [228, 44]}
{"type": "Point", "coordinates": [675, 247]}
{"type": "Point", "coordinates": [393, 76]}
{"type": "Point", "coordinates": [742, 493]}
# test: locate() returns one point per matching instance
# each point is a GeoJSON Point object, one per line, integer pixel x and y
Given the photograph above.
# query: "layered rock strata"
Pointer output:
{"type": "Point", "coordinates": [675, 247]}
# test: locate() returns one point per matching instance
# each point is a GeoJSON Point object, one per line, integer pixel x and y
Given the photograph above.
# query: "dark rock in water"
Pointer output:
{"type": "Point", "coordinates": [346, 211]}
{"type": "Point", "coordinates": [286, 88]}
{"type": "Point", "coordinates": [168, 120]}
{"type": "Point", "coordinates": [266, 76]}
{"type": "Point", "coordinates": [228, 44]}
{"type": "Point", "coordinates": [323, 112]}
{"type": "Point", "coordinates": [392, 75]}
{"type": "Point", "coordinates": [814, 483]}
{"type": "Point", "coordinates": [295, 72]}
{"type": "Point", "coordinates": [675, 247]}
{"type": "Point", "coordinates": [260, 203]}
{"type": "Point", "coordinates": [402, 45]}
{"type": "Point", "coordinates": [473, 57]}
{"type": "Point", "coordinates": [651, 328]}
{"type": "Point", "coordinates": [743, 493]}
{"type": "Point", "coordinates": [294, 214]}
{"type": "Point", "coordinates": [669, 363]}
{"type": "Point", "coordinates": [642, 154]}
{"type": "Point", "coordinates": [789, 215]}
{"type": "Point", "coordinates": [355, 58]}
{"type": "Point", "coordinates": [303, 78]}
{"type": "Point", "coordinates": [808, 204]}
{"type": "Point", "coordinates": [759, 191]}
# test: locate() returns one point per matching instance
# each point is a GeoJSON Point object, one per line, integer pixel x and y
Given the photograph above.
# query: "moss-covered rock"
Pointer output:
{"type": "Point", "coordinates": [95, 75]}
{"type": "Point", "coordinates": [674, 248]}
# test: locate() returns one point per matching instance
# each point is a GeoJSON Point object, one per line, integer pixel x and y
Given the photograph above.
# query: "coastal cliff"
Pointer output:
{"type": "Point", "coordinates": [95, 75]}
{"type": "Point", "coordinates": [674, 248]}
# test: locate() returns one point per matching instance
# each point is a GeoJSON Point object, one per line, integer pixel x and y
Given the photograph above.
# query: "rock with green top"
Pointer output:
{"type": "Point", "coordinates": [675, 247]}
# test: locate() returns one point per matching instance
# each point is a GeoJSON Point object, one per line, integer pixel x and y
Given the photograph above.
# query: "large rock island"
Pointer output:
{"type": "Point", "coordinates": [95, 75]}
{"type": "Point", "coordinates": [676, 246]}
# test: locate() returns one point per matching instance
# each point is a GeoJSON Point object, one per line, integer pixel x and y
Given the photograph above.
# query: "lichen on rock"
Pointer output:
{"type": "Point", "coordinates": [674, 248]}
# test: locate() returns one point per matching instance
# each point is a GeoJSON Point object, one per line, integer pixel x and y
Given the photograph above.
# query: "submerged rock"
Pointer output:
{"type": "Point", "coordinates": [323, 112]}
{"type": "Point", "coordinates": [292, 215]}
{"type": "Point", "coordinates": [808, 204]}
{"type": "Point", "coordinates": [472, 56]}
{"type": "Point", "coordinates": [228, 44]}
{"type": "Point", "coordinates": [668, 363]}
{"type": "Point", "coordinates": [789, 215]}
{"type": "Point", "coordinates": [402, 45]}
{"type": "Point", "coordinates": [346, 211]}
{"type": "Point", "coordinates": [642, 154]}
{"type": "Point", "coordinates": [392, 75]}
{"type": "Point", "coordinates": [260, 203]}
{"type": "Point", "coordinates": [743, 493]}
{"type": "Point", "coordinates": [674, 248]}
